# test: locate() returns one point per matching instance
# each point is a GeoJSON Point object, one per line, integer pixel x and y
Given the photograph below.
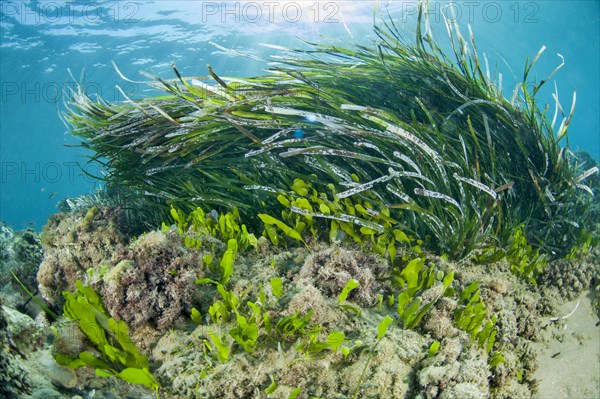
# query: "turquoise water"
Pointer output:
{"type": "Point", "coordinates": [47, 46]}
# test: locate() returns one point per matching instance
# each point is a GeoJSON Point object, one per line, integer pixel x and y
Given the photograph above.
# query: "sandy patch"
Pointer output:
{"type": "Point", "coordinates": [569, 364]}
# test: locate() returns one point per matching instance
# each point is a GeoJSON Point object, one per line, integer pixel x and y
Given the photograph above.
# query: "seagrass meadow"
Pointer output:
{"type": "Point", "coordinates": [426, 141]}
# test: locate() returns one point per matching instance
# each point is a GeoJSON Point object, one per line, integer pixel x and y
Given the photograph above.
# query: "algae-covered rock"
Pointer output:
{"type": "Point", "coordinates": [151, 284]}
{"type": "Point", "coordinates": [573, 276]}
{"type": "Point", "coordinates": [330, 270]}
{"type": "Point", "coordinates": [457, 371]}
{"type": "Point", "coordinates": [21, 254]}
{"type": "Point", "coordinates": [75, 242]}
{"type": "Point", "coordinates": [13, 379]}
{"type": "Point", "coordinates": [439, 320]}
{"type": "Point", "coordinates": [25, 333]}
{"type": "Point", "coordinates": [187, 371]}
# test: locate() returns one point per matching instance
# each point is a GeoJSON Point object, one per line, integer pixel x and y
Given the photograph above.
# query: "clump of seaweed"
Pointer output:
{"type": "Point", "coordinates": [402, 125]}
{"type": "Point", "coordinates": [118, 356]}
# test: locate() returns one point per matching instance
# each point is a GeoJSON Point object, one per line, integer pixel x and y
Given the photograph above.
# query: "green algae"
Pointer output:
{"type": "Point", "coordinates": [119, 357]}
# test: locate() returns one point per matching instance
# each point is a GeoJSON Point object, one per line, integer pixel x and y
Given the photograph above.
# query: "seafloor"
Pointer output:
{"type": "Point", "coordinates": [547, 333]}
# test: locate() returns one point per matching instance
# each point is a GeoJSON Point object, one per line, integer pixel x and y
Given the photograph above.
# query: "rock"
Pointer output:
{"type": "Point", "coordinates": [45, 393]}
{"type": "Point", "coordinates": [21, 254]}
{"type": "Point", "coordinates": [75, 242]}
{"type": "Point", "coordinates": [13, 379]}
{"type": "Point", "coordinates": [59, 376]}
{"type": "Point", "coordinates": [25, 333]}
{"type": "Point", "coordinates": [333, 267]}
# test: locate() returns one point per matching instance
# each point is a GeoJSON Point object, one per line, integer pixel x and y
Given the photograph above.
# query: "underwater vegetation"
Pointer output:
{"type": "Point", "coordinates": [118, 355]}
{"type": "Point", "coordinates": [401, 125]}
{"type": "Point", "coordinates": [310, 221]}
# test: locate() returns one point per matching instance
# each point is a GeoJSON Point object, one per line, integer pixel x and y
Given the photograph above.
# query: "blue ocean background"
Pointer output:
{"type": "Point", "coordinates": [46, 47]}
